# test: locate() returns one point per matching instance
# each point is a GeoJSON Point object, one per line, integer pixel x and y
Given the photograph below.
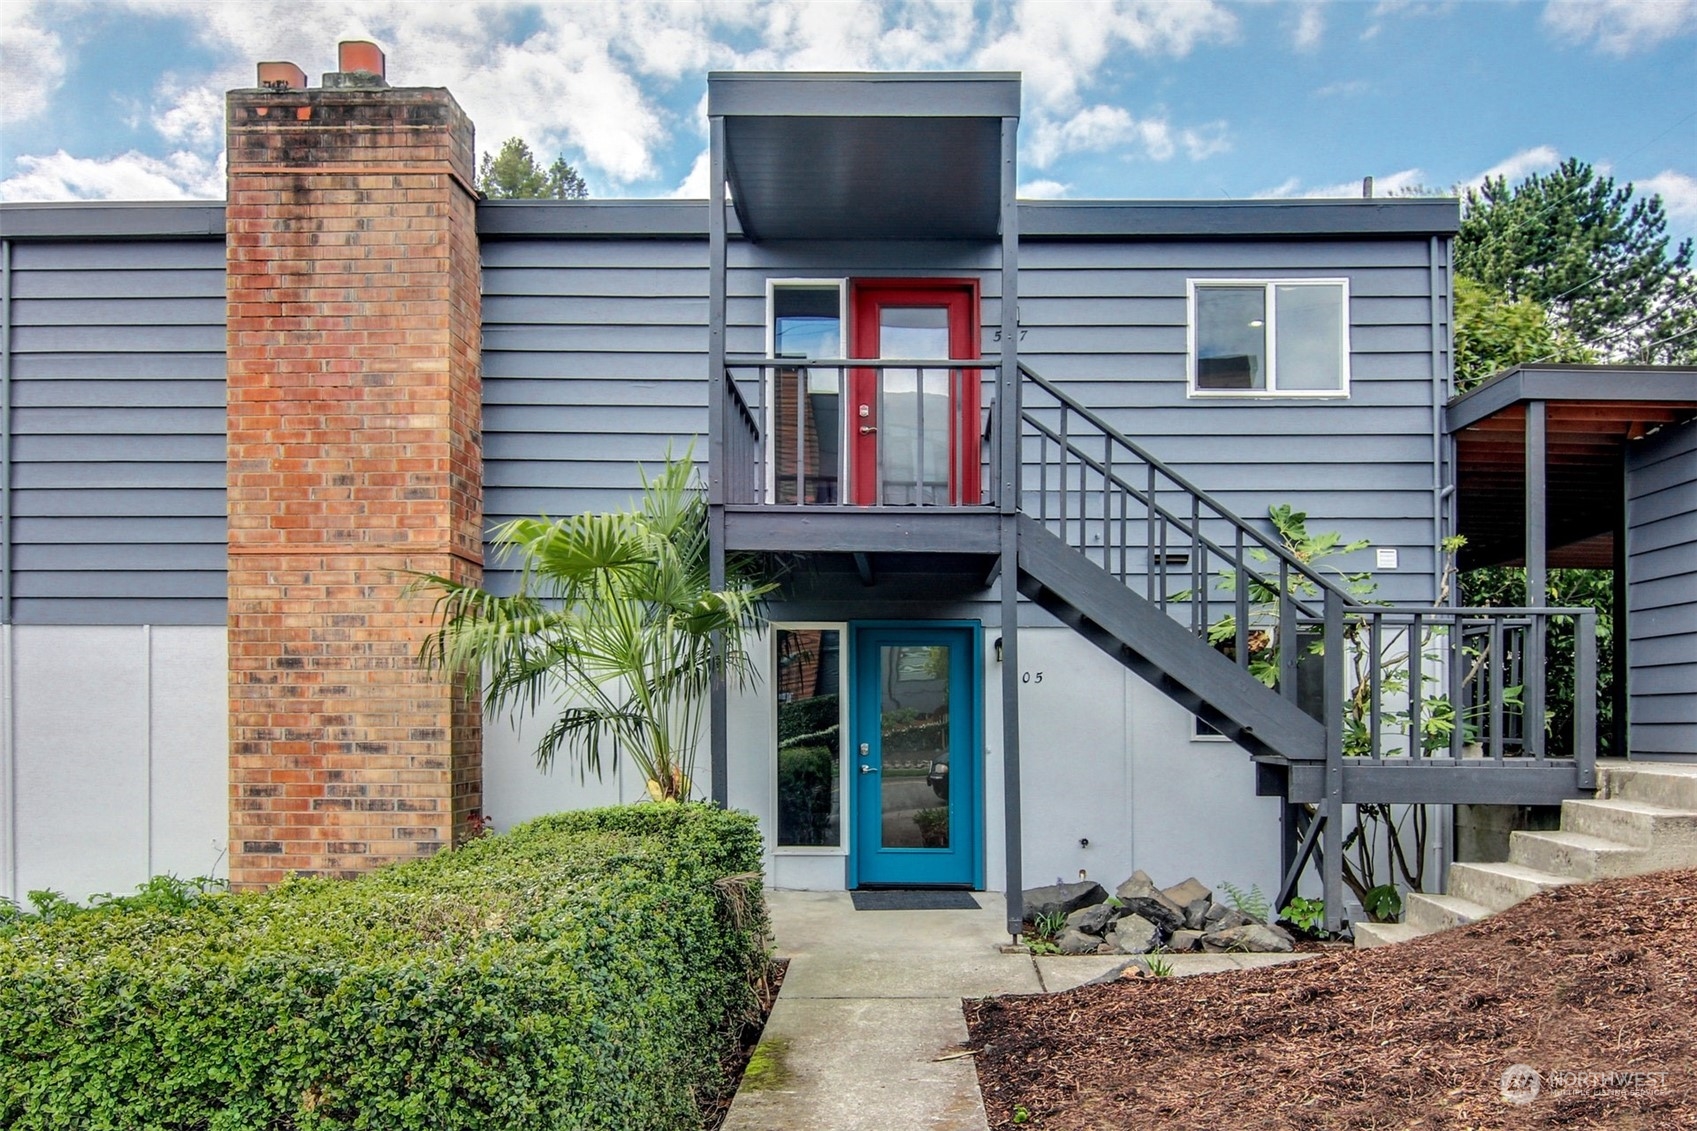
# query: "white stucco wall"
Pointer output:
{"type": "Point", "coordinates": [115, 757]}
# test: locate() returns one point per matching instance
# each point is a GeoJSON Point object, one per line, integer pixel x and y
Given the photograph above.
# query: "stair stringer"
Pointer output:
{"type": "Point", "coordinates": [1146, 640]}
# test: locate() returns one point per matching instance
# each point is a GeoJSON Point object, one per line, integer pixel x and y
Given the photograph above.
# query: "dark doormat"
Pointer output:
{"type": "Point", "coordinates": [910, 900]}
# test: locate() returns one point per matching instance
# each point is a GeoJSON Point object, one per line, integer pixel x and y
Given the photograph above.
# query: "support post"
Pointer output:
{"type": "Point", "coordinates": [717, 698]}
{"type": "Point", "coordinates": [1015, 884]}
{"type": "Point", "coordinates": [1007, 392]}
{"type": "Point", "coordinates": [1537, 574]}
{"type": "Point", "coordinates": [1332, 807]}
{"type": "Point", "coordinates": [1620, 683]}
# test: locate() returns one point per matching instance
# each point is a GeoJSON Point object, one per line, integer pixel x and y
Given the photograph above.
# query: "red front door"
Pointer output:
{"type": "Point", "coordinates": [913, 433]}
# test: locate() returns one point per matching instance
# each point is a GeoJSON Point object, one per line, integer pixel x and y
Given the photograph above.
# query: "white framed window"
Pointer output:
{"type": "Point", "coordinates": [805, 318]}
{"type": "Point", "coordinates": [1268, 337]}
{"type": "Point", "coordinates": [809, 730]}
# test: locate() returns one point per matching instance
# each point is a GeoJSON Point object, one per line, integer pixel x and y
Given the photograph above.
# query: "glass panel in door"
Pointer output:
{"type": "Point", "coordinates": [913, 724]}
{"type": "Point", "coordinates": [913, 451]}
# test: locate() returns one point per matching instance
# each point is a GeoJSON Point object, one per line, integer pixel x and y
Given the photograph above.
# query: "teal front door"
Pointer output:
{"type": "Point", "coordinates": [917, 772]}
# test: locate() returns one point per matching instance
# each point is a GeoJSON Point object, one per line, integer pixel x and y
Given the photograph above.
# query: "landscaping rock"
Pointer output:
{"type": "Point", "coordinates": [1188, 892]}
{"type": "Point", "coordinates": [1072, 941]}
{"type": "Point", "coordinates": [1256, 938]}
{"type": "Point", "coordinates": [1220, 917]}
{"type": "Point", "coordinates": [1139, 884]}
{"type": "Point", "coordinates": [1196, 914]}
{"type": "Point", "coordinates": [1133, 934]}
{"type": "Point", "coordinates": [1063, 899]}
{"type": "Point", "coordinates": [1092, 920]}
{"type": "Point", "coordinates": [1184, 941]}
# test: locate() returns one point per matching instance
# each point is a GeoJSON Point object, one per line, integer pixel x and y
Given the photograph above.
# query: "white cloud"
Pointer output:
{"type": "Point", "coordinates": [1343, 88]}
{"type": "Point", "coordinates": [1620, 27]}
{"type": "Point", "coordinates": [1678, 192]}
{"type": "Point", "coordinates": [1387, 184]}
{"type": "Point", "coordinates": [1060, 47]}
{"type": "Point", "coordinates": [32, 60]}
{"type": "Point", "coordinates": [1310, 27]}
{"type": "Point", "coordinates": [131, 176]}
{"type": "Point", "coordinates": [195, 115]}
{"type": "Point", "coordinates": [1514, 168]}
{"type": "Point", "coordinates": [698, 182]}
{"type": "Point", "coordinates": [1097, 129]}
{"type": "Point", "coordinates": [1043, 190]}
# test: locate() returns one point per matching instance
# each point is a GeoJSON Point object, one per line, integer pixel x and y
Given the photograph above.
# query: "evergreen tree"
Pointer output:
{"type": "Point", "coordinates": [1596, 257]}
{"type": "Point", "coordinates": [515, 174]}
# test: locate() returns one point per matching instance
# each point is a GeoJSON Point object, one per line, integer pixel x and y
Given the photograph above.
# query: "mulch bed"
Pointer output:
{"type": "Point", "coordinates": [1594, 986]}
{"type": "Point", "coordinates": [715, 1108]}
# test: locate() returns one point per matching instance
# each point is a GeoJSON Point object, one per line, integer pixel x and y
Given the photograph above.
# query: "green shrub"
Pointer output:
{"type": "Point", "coordinates": [586, 970]}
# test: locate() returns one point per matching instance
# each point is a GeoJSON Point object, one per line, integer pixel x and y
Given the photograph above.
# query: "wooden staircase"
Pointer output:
{"type": "Point", "coordinates": [1643, 819]}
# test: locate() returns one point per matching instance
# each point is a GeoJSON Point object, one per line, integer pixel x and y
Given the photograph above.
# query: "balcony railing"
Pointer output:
{"type": "Point", "coordinates": [871, 432]}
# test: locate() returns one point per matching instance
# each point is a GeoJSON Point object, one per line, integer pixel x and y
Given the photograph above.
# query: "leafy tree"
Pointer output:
{"type": "Point", "coordinates": [1594, 256]}
{"type": "Point", "coordinates": [1494, 332]}
{"type": "Point", "coordinates": [515, 174]}
{"type": "Point", "coordinates": [614, 630]}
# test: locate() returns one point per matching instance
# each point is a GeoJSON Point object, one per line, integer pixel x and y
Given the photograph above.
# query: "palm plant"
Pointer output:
{"type": "Point", "coordinates": [614, 625]}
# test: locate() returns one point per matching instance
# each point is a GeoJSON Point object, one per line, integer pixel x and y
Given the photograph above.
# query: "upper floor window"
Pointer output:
{"type": "Point", "coordinates": [1271, 337]}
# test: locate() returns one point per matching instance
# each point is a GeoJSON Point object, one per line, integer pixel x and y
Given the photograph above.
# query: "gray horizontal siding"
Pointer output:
{"type": "Point", "coordinates": [1661, 572]}
{"type": "Point", "coordinates": [117, 432]}
{"type": "Point", "coordinates": [594, 360]}
{"type": "Point", "coordinates": [1107, 323]}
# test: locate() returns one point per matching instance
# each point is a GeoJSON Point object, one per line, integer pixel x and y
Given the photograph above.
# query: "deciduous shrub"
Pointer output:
{"type": "Point", "coordinates": [587, 970]}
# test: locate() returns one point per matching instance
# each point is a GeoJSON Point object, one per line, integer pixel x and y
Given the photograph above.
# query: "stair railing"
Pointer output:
{"type": "Point", "coordinates": [1144, 523]}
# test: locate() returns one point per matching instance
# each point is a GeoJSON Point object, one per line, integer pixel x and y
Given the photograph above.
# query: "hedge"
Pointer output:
{"type": "Point", "coordinates": [587, 970]}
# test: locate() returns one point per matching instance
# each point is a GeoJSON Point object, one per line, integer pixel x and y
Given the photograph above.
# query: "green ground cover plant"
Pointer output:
{"type": "Point", "coordinates": [586, 970]}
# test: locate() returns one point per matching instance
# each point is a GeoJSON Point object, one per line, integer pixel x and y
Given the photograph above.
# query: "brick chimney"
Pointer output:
{"type": "Point", "coordinates": [355, 463]}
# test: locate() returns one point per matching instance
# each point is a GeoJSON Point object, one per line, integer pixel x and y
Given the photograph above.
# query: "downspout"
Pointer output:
{"type": "Point", "coordinates": [8, 760]}
{"type": "Point", "coordinates": [1442, 817]}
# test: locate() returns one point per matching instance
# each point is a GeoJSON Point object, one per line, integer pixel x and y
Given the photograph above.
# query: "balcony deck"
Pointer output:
{"type": "Point", "coordinates": [974, 530]}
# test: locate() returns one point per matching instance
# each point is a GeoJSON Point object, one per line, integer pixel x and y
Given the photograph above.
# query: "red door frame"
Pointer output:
{"type": "Point", "coordinates": [960, 298]}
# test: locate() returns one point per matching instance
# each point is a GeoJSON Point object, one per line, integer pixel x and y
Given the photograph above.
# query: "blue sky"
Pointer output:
{"type": "Point", "coordinates": [122, 99]}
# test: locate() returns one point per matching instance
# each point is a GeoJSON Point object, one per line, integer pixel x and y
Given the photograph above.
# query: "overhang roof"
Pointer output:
{"type": "Point", "coordinates": [1592, 412]}
{"type": "Point", "coordinates": [865, 156]}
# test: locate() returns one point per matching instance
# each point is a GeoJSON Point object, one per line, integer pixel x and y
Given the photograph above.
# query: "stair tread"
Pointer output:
{"type": "Point", "coordinates": [1452, 903]}
{"type": "Point", "coordinates": [1386, 934]}
{"type": "Point", "coordinates": [1584, 841]}
{"type": "Point", "coordinates": [1627, 805]}
{"type": "Point", "coordinates": [1516, 872]}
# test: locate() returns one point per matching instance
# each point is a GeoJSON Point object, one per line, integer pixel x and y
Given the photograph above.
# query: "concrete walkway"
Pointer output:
{"type": "Point", "coordinates": [863, 1032]}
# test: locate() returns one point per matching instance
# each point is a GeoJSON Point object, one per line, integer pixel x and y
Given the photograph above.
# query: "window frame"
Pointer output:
{"type": "Point", "coordinates": [838, 283]}
{"type": "Point", "coordinates": [1272, 391]}
{"type": "Point", "coordinates": [843, 759]}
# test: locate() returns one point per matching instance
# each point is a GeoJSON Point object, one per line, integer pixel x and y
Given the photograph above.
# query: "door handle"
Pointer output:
{"type": "Point", "coordinates": [869, 769]}
{"type": "Point", "coordinates": [868, 429]}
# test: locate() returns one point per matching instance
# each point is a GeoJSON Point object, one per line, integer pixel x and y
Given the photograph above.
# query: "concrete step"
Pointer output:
{"type": "Point", "coordinates": [1370, 935]}
{"type": "Point", "coordinates": [1636, 824]}
{"type": "Point", "coordinates": [1499, 886]}
{"type": "Point", "coordinates": [1576, 855]}
{"type": "Point", "coordinates": [1427, 913]}
{"type": "Point", "coordinates": [1670, 784]}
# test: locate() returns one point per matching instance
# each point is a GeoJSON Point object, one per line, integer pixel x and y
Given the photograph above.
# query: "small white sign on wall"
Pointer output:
{"type": "Point", "coordinates": [1384, 557]}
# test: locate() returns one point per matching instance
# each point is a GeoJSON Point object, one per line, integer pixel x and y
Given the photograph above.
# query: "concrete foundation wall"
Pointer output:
{"type": "Point", "coordinates": [1105, 759]}
{"type": "Point", "coordinates": [115, 757]}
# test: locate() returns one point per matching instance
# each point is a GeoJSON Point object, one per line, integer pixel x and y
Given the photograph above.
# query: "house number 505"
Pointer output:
{"type": "Point", "coordinates": [1031, 677]}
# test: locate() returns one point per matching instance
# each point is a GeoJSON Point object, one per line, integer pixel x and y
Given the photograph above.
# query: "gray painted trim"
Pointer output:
{"type": "Point", "coordinates": [107, 220]}
{"type": "Point", "coordinates": [1012, 830]}
{"type": "Point", "coordinates": [1672, 384]}
{"type": "Point", "coordinates": [6, 433]}
{"type": "Point", "coordinates": [8, 771]}
{"type": "Point", "coordinates": [687, 219]}
{"type": "Point", "coordinates": [1167, 219]}
{"type": "Point", "coordinates": [980, 94]}
{"type": "Point", "coordinates": [871, 530]}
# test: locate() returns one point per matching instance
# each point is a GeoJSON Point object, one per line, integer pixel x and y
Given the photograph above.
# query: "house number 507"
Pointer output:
{"type": "Point", "coordinates": [1031, 677]}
